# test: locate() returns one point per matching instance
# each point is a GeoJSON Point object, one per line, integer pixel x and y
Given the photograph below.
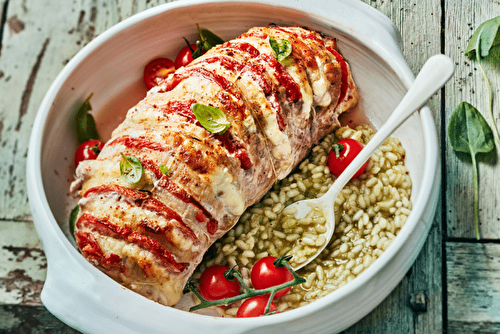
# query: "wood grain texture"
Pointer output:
{"type": "Point", "coordinates": [30, 319]}
{"type": "Point", "coordinates": [463, 17]}
{"type": "Point", "coordinates": [34, 50]}
{"type": "Point", "coordinates": [425, 275]}
{"type": "Point", "coordinates": [22, 264]}
{"type": "Point", "coordinates": [473, 286]}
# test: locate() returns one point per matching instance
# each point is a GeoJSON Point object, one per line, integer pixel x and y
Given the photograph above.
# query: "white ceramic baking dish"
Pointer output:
{"type": "Point", "coordinates": [111, 68]}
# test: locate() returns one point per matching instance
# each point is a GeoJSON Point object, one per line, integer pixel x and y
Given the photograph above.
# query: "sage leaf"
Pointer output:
{"type": "Point", "coordinates": [469, 133]}
{"type": "Point", "coordinates": [483, 42]}
{"type": "Point", "coordinates": [85, 123]}
{"type": "Point", "coordinates": [130, 169]}
{"type": "Point", "coordinates": [72, 219]}
{"type": "Point", "coordinates": [211, 118]}
{"type": "Point", "coordinates": [281, 50]}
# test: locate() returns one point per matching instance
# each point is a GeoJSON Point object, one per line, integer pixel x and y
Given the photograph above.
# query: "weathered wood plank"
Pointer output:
{"type": "Point", "coordinates": [30, 320]}
{"type": "Point", "coordinates": [395, 314]}
{"type": "Point", "coordinates": [34, 50]}
{"type": "Point", "coordinates": [22, 264]}
{"type": "Point", "coordinates": [473, 287]}
{"type": "Point", "coordinates": [463, 18]}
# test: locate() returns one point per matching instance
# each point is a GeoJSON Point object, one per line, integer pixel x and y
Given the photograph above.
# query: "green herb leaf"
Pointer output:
{"type": "Point", "coordinates": [469, 132]}
{"type": "Point", "coordinates": [164, 169]}
{"type": "Point", "coordinates": [85, 123]}
{"type": "Point", "coordinates": [281, 50]}
{"type": "Point", "coordinates": [483, 42]}
{"type": "Point", "coordinates": [485, 38]}
{"type": "Point", "coordinates": [130, 169]}
{"type": "Point", "coordinates": [208, 39]}
{"type": "Point", "coordinates": [72, 219]}
{"type": "Point", "coordinates": [211, 118]}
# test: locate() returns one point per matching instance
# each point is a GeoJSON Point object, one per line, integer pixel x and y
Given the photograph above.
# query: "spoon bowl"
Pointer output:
{"type": "Point", "coordinates": [436, 71]}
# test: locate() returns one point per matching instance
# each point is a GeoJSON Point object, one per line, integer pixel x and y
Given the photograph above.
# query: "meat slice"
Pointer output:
{"type": "Point", "coordinates": [151, 235]}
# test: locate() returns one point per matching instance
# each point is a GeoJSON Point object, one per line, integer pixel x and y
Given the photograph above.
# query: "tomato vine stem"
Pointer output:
{"type": "Point", "coordinates": [248, 292]}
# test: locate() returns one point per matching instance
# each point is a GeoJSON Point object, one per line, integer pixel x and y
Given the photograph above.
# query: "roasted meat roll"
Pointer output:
{"type": "Point", "coordinates": [151, 235]}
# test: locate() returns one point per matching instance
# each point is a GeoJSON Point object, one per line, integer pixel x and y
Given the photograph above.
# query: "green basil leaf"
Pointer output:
{"type": "Point", "coordinates": [208, 38]}
{"type": "Point", "coordinates": [211, 118]}
{"type": "Point", "coordinates": [72, 219]}
{"type": "Point", "coordinates": [85, 123]}
{"type": "Point", "coordinates": [485, 38]}
{"type": "Point", "coordinates": [130, 169]}
{"type": "Point", "coordinates": [468, 131]}
{"type": "Point", "coordinates": [281, 50]}
{"type": "Point", "coordinates": [164, 169]}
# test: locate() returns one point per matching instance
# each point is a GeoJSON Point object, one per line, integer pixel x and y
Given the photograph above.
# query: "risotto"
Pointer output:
{"type": "Point", "coordinates": [369, 212]}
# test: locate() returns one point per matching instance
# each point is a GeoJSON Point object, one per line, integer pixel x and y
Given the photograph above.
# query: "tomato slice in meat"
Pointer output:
{"type": "Point", "coordinates": [344, 72]}
{"type": "Point", "coordinates": [156, 70]}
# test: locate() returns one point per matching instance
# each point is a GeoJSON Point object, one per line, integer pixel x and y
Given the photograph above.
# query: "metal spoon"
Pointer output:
{"type": "Point", "coordinates": [434, 74]}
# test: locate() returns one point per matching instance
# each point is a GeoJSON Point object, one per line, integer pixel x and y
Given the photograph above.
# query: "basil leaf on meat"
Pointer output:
{"type": "Point", "coordinates": [281, 50]}
{"type": "Point", "coordinates": [85, 123]}
{"type": "Point", "coordinates": [130, 169]}
{"type": "Point", "coordinates": [164, 169]}
{"type": "Point", "coordinates": [211, 118]}
{"type": "Point", "coordinates": [469, 133]}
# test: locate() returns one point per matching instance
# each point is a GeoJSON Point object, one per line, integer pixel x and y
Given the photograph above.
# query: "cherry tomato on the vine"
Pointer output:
{"type": "Point", "coordinates": [156, 70]}
{"type": "Point", "coordinates": [185, 56]}
{"type": "Point", "coordinates": [214, 285]}
{"type": "Point", "coordinates": [348, 149]}
{"type": "Point", "coordinates": [265, 275]}
{"type": "Point", "coordinates": [254, 307]}
{"type": "Point", "coordinates": [88, 150]}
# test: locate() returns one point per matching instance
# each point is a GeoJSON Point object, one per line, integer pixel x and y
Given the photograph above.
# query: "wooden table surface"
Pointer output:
{"type": "Point", "coordinates": [458, 276]}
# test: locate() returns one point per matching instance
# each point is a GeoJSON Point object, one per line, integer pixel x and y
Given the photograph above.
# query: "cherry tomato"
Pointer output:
{"type": "Point", "coordinates": [348, 150]}
{"type": "Point", "coordinates": [214, 285]}
{"type": "Point", "coordinates": [265, 275]}
{"type": "Point", "coordinates": [185, 56]}
{"type": "Point", "coordinates": [88, 150]}
{"type": "Point", "coordinates": [156, 70]}
{"type": "Point", "coordinates": [254, 307]}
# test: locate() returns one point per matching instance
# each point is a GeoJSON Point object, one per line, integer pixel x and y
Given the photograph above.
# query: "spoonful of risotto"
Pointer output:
{"type": "Point", "coordinates": [434, 74]}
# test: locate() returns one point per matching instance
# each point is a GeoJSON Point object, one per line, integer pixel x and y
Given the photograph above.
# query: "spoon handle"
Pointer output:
{"type": "Point", "coordinates": [433, 75]}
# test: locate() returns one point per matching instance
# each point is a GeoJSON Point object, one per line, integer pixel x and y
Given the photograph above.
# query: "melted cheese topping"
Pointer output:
{"type": "Point", "coordinates": [227, 192]}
